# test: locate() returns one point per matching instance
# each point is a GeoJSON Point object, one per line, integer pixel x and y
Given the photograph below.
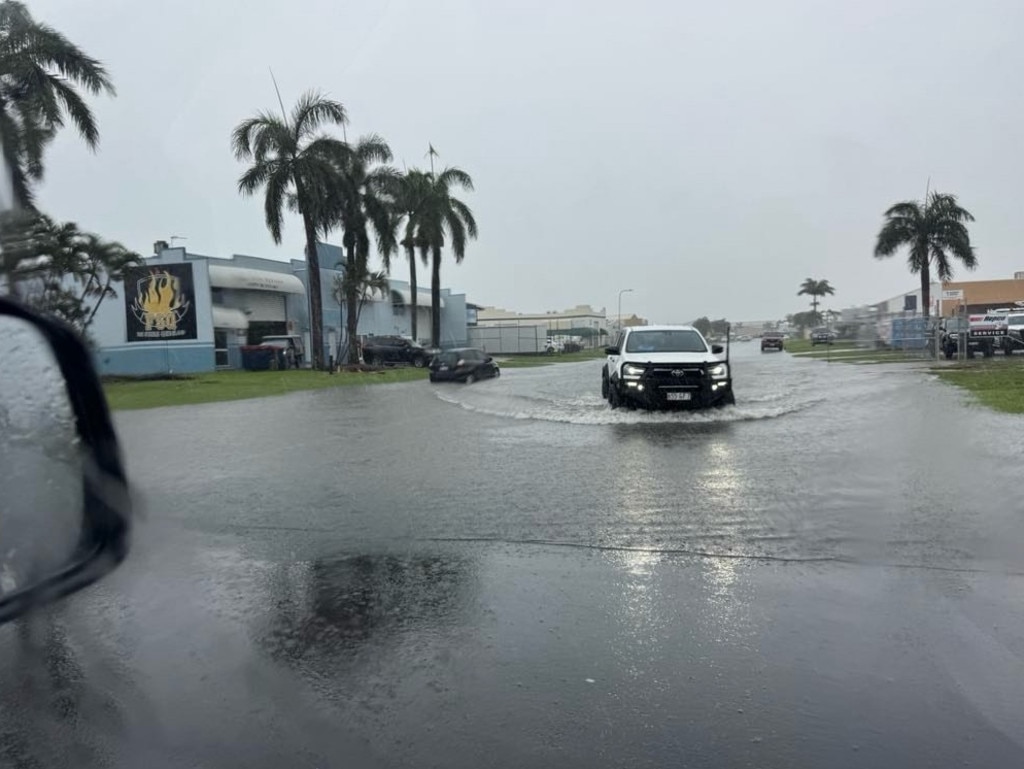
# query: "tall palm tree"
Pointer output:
{"type": "Point", "coordinates": [444, 216]}
{"type": "Point", "coordinates": [41, 76]}
{"type": "Point", "coordinates": [360, 201]}
{"type": "Point", "coordinates": [933, 232]}
{"type": "Point", "coordinates": [410, 194]}
{"type": "Point", "coordinates": [295, 163]}
{"type": "Point", "coordinates": [815, 288]}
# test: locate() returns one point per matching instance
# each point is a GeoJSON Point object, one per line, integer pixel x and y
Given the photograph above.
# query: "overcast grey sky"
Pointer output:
{"type": "Point", "coordinates": [708, 155]}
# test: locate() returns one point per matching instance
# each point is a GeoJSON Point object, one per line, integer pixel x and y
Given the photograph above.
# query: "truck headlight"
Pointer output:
{"type": "Point", "coordinates": [719, 371]}
{"type": "Point", "coordinates": [629, 371]}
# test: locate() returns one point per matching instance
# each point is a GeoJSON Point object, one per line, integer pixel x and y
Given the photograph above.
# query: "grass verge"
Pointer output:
{"type": "Point", "coordinates": [529, 361]}
{"type": "Point", "coordinates": [800, 346]}
{"type": "Point", "coordinates": [996, 384]}
{"type": "Point", "coordinates": [238, 385]}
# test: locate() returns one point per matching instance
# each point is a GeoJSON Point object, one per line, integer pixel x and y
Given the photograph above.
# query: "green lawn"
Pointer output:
{"type": "Point", "coordinates": [237, 385]}
{"type": "Point", "coordinates": [799, 346]}
{"type": "Point", "coordinates": [998, 384]}
{"type": "Point", "coordinates": [527, 361]}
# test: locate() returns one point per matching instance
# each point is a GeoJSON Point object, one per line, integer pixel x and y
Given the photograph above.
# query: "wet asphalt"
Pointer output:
{"type": "Point", "coordinates": [508, 574]}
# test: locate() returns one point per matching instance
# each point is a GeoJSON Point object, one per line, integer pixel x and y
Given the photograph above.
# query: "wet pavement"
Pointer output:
{"type": "Point", "coordinates": [509, 574]}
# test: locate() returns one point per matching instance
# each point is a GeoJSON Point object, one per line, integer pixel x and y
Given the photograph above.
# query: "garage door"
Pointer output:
{"type": "Point", "coordinates": [263, 305]}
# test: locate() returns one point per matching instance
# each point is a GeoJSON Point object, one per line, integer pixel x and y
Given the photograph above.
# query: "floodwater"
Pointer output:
{"type": "Point", "coordinates": [830, 573]}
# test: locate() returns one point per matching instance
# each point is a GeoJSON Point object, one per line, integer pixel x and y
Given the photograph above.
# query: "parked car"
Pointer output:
{"type": "Point", "coordinates": [772, 340]}
{"type": "Point", "coordinates": [292, 346]}
{"type": "Point", "coordinates": [822, 336]}
{"type": "Point", "coordinates": [464, 364]}
{"type": "Point", "coordinates": [382, 350]}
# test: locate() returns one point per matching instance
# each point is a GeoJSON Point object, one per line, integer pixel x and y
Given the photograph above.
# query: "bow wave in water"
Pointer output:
{"type": "Point", "coordinates": [572, 395]}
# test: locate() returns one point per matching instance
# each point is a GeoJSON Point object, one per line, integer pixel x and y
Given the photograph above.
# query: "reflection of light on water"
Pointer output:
{"type": "Point", "coordinates": [723, 479]}
{"type": "Point", "coordinates": [637, 562]}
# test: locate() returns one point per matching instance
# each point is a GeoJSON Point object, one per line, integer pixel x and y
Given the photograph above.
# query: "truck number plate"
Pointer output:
{"type": "Point", "coordinates": [677, 396]}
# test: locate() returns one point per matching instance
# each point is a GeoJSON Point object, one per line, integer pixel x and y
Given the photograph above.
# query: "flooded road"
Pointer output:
{"type": "Point", "coordinates": [830, 573]}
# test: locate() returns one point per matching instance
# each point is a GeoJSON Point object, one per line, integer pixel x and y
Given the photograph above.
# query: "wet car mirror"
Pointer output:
{"type": "Point", "coordinates": [611, 350]}
{"type": "Point", "coordinates": [717, 349]}
{"type": "Point", "coordinates": [64, 504]}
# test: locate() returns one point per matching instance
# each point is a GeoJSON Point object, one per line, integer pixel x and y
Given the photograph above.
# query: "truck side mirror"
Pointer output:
{"type": "Point", "coordinates": [64, 502]}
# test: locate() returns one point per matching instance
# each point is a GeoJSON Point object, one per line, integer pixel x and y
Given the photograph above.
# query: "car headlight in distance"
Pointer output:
{"type": "Point", "coordinates": [719, 371]}
{"type": "Point", "coordinates": [629, 371]}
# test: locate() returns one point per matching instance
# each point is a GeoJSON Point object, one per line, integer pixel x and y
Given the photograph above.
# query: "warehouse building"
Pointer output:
{"type": "Point", "coordinates": [184, 313]}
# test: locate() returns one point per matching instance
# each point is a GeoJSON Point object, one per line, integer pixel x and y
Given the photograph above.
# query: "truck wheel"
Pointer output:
{"type": "Point", "coordinates": [604, 384]}
{"type": "Point", "coordinates": [419, 361]}
{"type": "Point", "coordinates": [729, 399]}
{"type": "Point", "coordinates": [613, 396]}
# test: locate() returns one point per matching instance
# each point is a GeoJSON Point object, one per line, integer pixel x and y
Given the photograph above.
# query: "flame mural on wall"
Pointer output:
{"type": "Point", "coordinates": [159, 303]}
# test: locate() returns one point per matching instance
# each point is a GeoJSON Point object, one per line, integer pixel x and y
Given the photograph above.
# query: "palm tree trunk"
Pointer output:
{"type": "Point", "coordinates": [435, 299]}
{"type": "Point", "coordinates": [352, 275]}
{"type": "Point", "coordinates": [926, 288]}
{"type": "Point", "coordinates": [316, 310]}
{"type": "Point", "coordinates": [410, 251]}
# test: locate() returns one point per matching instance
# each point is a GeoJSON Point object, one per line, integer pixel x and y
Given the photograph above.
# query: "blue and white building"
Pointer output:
{"type": "Point", "coordinates": [241, 299]}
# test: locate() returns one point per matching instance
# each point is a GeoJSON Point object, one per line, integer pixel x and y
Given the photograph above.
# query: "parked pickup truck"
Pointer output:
{"type": "Point", "coordinates": [1014, 339]}
{"type": "Point", "coordinates": [984, 334]}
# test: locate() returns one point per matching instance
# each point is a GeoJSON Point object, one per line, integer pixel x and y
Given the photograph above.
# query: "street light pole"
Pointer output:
{"type": "Point", "coordinates": [619, 316]}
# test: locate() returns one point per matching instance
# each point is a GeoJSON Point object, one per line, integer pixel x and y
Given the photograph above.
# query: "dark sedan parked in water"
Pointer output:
{"type": "Point", "coordinates": [465, 364]}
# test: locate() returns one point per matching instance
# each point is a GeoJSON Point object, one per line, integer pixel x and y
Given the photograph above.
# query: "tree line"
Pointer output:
{"type": "Point", "coordinates": [935, 236]}
{"type": "Point", "coordinates": [338, 186]}
{"type": "Point", "coordinates": [300, 166]}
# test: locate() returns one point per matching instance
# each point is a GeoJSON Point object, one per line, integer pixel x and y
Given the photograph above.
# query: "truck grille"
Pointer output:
{"type": "Point", "coordinates": [684, 376]}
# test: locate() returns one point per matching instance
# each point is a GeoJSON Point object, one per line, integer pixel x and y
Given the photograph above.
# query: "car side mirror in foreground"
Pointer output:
{"type": "Point", "coordinates": [717, 349]}
{"type": "Point", "coordinates": [65, 510]}
{"type": "Point", "coordinates": [611, 350]}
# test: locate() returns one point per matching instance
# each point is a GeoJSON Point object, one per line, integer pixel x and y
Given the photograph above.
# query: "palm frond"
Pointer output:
{"type": "Point", "coordinates": [463, 212]}
{"type": "Point", "coordinates": [453, 176]}
{"type": "Point", "coordinates": [372, 149]}
{"type": "Point", "coordinates": [250, 130]}
{"type": "Point", "coordinates": [77, 110]}
{"type": "Point", "coordinates": [897, 232]}
{"type": "Point", "coordinates": [457, 230]}
{"type": "Point", "coordinates": [314, 110]}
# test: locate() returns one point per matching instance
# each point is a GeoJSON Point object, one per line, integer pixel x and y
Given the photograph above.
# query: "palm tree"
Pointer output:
{"type": "Point", "coordinates": [410, 194]}
{"type": "Point", "coordinates": [360, 200]}
{"type": "Point", "coordinates": [362, 285]}
{"type": "Point", "coordinates": [103, 263]}
{"type": "Point", "coordinates": [41, 75]}
{"type": "Point", "coordinates": [60, 270]}
{"type": "Point", "coordinates": [814, 289]}
{"type": "Point", "coordinates": [295, 163]}
{"type": "Point", "coordinates": [933, 232]}
{"type": "Point", "coordinates": [444, 216]}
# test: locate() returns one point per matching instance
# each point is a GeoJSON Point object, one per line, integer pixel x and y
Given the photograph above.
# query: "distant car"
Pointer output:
{"type": "Point", "coordinates": [772, 340]}
{"type": "Point", "coordinates": [381, 350]}
{"type": "Point", "coordinates": [822, 336]}
{"type": "Point", "coordinates": [465, 364]}
{"type": "Point", "coordinates": [291, 344]}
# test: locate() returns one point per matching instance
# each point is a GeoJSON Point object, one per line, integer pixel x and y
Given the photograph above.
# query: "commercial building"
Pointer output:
{"type": "Point", "coordinates": [182, 313]}
{"type": "Point", "coordinates": [556, 321]}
